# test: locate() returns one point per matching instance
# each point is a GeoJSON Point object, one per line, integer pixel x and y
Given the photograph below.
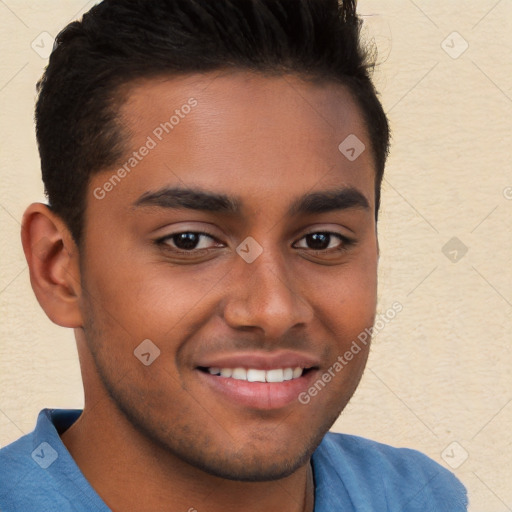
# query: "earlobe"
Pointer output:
{"type": "Point", "coordinates": [53, 261]}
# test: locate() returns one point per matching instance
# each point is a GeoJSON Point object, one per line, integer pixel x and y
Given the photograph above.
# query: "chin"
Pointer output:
{"type": "Point", "coordinates": [252, 468]}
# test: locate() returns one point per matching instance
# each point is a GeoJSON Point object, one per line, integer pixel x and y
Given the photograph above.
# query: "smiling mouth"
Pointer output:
{"type": "Point", "coordinates": [275, 375]}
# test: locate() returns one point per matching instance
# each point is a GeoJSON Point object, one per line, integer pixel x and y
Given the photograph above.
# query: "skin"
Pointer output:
{"type": "Point", "coordinates": [156, 437]}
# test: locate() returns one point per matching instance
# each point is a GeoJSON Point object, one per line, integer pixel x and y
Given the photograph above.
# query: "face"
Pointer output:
{"type": "Point", "coordinates": [241, 245]}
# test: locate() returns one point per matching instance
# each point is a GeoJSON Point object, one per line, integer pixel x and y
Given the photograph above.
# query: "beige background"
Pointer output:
{"type": "Point", "coordinates": [441, 371]}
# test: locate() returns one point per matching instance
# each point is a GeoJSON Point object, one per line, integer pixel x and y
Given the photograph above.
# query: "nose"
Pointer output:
{"type": "Point", "coordinates": [265, 294]}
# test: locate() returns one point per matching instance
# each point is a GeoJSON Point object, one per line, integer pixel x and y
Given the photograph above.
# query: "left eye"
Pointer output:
{"type": "Point", "coordinates": [322, 241]}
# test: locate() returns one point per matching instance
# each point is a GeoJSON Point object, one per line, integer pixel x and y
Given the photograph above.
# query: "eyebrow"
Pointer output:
{"type": "Point", "coordinates": [197, 199]}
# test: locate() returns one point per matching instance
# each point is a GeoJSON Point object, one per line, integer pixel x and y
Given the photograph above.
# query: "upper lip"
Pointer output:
{"type": "Point", "coordinates": [261, 360]}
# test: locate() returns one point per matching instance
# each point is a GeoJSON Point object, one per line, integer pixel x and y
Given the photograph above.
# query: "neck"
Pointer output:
{"type": "Point", "coordinates": [130, 473]}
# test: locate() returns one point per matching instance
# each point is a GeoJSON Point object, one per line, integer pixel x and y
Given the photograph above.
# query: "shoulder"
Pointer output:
{"type": "Point", "coordinates": [19, 476]}
{"type": "Point", "coordinates": [395, 477]}
{"type": "Point", "coordinates": [38, 473]}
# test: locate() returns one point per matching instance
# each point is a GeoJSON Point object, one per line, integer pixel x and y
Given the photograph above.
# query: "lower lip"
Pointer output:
{"type": "Point", "coordinates": [259, 395]}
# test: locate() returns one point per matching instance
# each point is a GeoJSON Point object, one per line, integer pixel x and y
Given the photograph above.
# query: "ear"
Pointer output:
{"type": "Point", "coordinates": [53, 261]}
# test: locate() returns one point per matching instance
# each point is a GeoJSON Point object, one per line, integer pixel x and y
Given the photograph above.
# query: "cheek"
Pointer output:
{"type": "Point", "coordinates": [347, 298]}
{"type": "Point", "coordinates": [358, 297]}
{"type": "Point", "coordinates": [134, 299]}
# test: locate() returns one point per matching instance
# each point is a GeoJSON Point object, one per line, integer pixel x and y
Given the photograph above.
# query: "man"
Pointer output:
{"type": "Point", "coordinates": [213, 172]}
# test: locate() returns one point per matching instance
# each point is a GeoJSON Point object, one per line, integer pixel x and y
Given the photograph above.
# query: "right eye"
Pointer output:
{"type": "Point", "coordinates": [187, 241]}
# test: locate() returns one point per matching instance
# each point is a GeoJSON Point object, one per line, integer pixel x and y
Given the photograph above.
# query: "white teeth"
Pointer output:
{"type": "Point", "coordinates": [275, 375]}
{"type": "Point", "coordinates": [239, 374]}
{"type": "Point", "coordinates": [255, 375]}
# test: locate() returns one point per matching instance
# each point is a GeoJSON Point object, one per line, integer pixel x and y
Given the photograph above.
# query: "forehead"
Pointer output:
{"type": "Point", "coordinates": [263, 138]}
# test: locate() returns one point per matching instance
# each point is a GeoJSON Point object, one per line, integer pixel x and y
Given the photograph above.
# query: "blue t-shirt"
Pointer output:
{"type": "Point", "coordinates": [351, 474]}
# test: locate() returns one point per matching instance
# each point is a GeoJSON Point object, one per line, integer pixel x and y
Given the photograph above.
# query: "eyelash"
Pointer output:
{"type": "Point", "coordinates": [345, 242]}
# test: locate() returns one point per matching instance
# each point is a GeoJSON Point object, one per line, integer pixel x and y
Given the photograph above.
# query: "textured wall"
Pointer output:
{"type": "Point", "coordinates": [439, 377]}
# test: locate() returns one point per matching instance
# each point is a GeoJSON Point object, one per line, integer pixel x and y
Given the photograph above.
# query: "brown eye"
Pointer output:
{"type": "Point", "coordinates": [318, 241]}
{"type": "Point", "coordinates": [325, 240]}
{"type": "Point", "coordinates": [188, 241]}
